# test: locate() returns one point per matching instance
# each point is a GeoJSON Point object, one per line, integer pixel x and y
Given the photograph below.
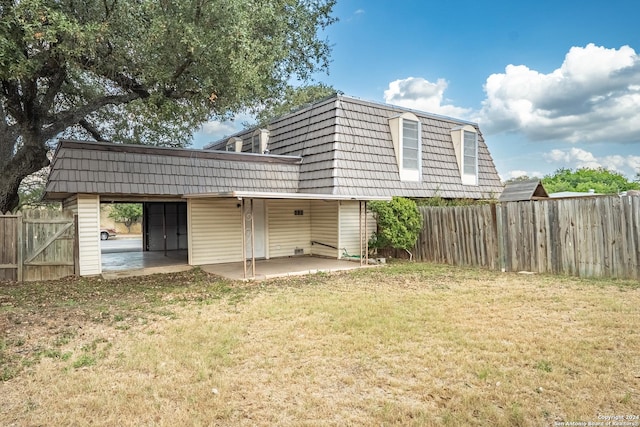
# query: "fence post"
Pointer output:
{"type": "Point", "coordinates": [500, 237]}
{"type": "Point", "coordinates": [19, 249]}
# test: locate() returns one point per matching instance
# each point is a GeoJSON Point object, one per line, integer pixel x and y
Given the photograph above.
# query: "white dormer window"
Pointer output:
{"type": "Point", "coordinates": [234, 144]}
{"type": "Point", "coordinates": [470, 159]}
{"type": "Point", "coordinates": [465, 144]}
{"type": "Point", "coordinates": [406, 133]}
{"type": "Point", "coordinates": [259, 141]}
{"type": "Point", "coordinates": [410, 144]}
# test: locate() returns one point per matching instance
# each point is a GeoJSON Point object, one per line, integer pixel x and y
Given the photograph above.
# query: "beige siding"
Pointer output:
{"type": "Point", "coordinates": [87, 206]}
{"type": "Point", "coordinates": [286, 231]}
{"type": "Point", "coordinates": [350, 227]}
{"type": "Point", "coordinates": [215, 231]}
{"type": "Point", "coordinates": [71, 204]}
{"type": "Point", "coordinates": [324, 227]}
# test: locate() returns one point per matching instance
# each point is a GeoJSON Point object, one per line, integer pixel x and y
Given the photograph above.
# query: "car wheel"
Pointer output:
{"type": "Point", "coordinates": [104, 235]}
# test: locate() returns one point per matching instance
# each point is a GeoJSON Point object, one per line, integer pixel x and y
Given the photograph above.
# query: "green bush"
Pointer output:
{"type": "Point", "coordinates": [399, 224]}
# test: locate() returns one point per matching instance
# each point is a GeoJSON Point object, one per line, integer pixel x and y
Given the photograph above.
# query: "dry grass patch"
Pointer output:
{"type": "Point", "coordinates": [410, 344]}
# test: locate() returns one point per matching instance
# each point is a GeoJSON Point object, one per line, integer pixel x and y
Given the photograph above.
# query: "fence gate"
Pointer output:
{"type": "Point", "coordinates": [10, 265]}
{"type": "Point", "coordinates": [38, 245]}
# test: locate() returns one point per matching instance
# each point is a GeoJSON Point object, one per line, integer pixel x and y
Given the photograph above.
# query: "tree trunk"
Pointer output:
{"type": "Point", "coordinates": [30, 158]}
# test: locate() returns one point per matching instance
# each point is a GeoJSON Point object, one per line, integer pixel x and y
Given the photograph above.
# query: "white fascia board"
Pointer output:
{"type": "Point", "coordinates": [273, 195]}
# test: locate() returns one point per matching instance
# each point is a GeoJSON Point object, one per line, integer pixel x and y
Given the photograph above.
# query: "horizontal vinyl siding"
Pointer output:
{"type": "Point", "coordinates": [71, 204]}
{"type": "Point", "coordinates": [350, 227]}
{"type": "Point", "coordinates": [286, 230]}
{"type": "Point", "coordinates": [215, 232]}
{"type": "Point", "coordinates": [88, 209]}
{"type": "Point", "coordinates": [324, 227]}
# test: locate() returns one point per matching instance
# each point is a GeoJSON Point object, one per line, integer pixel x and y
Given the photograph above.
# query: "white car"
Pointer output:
{"type": "Point", "coordinates": [105, 233]}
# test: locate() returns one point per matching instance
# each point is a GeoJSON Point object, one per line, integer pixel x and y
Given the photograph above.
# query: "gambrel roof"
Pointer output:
{"type": "Point", "coordinates": [346, 147]}
{"type": "Point", "coordinates": [341, 147]}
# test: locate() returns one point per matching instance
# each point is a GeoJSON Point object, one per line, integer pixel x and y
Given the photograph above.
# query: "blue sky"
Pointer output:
{"type": "Point", "coordinates": [551, 84]}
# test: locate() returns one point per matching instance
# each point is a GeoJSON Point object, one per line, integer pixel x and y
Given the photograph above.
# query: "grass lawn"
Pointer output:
{"type": "Point", "coordinates": [407, 344]}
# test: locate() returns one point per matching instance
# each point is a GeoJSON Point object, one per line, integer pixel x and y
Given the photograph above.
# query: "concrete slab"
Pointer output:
{"type": "Point", "coordinates": [282, 267]}
{"type": "Point", "coordinates": [127, 264]}
{"type": "Point", "coordinates": [122, 264]}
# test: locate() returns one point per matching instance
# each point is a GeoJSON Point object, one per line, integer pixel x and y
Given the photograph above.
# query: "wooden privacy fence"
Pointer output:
{"type": "Point", "coordinates": [587, 237]}
{"type": "Point", "coordinates": [38, 245]}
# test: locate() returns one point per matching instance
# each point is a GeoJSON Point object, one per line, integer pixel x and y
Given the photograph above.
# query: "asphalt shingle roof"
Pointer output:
{"type": "Point", "coordinates": [347, 148]}
{"type": "Point", "coordinates": [116, 169]}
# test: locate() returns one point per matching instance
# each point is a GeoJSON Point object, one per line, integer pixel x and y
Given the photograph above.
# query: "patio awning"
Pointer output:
{"type": "Point", "coordinates": [276, 195]}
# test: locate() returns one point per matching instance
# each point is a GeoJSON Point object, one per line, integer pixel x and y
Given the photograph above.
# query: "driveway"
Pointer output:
{"type": "Point", "coordinates": [121, 244]}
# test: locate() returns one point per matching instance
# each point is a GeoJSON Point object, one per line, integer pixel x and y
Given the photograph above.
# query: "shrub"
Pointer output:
{"type": "Point", "coordinates": [399, 224]}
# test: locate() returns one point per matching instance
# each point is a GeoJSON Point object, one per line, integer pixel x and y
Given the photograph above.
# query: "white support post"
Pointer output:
{"type": "Point", "coordinates": [244, 243]}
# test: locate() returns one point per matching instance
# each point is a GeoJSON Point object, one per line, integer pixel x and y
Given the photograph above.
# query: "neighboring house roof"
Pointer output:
{"type": "Point", "coordinates": [566, 194]}
{"type": "Point", "coordinates": [118, 169]}
{"type": "Point", "coordinates": [523, 190]}
{"type": "Point", "coordinates": [347, 148]}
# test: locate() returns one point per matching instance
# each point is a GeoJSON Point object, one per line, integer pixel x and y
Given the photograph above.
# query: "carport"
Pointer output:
{"type": "Point", "coordinates": [240, 207]}
{"type": "Point", "coordinates": [163, 242]}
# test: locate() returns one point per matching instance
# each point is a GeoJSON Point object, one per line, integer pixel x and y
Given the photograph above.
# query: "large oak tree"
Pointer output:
{"type": "Point", "coordinates": [142, 71]}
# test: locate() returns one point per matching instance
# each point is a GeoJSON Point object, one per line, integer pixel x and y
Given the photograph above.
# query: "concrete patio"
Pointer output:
{"type": "Point", "coordinates": [137, 263]}
{"type": "Point", "coordinates": [281, 267]}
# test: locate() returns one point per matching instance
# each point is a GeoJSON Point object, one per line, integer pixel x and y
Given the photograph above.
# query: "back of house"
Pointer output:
{"type": "Point", "coordinates": [353, 147]}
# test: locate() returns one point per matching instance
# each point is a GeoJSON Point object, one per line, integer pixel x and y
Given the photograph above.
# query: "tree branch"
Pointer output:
{"type": "Point", "coordinates": [59, 122]}
{"type": "Point", "coordinates": [182, 68]}
{"type": "Point", "coordinates": [95, 133]}
{"type": "Point", "coordinates": [55, 83]}
{"type": "Point", "coordinates": [122, 80]}
{"type": "Point", "coordinates": [14, 103]}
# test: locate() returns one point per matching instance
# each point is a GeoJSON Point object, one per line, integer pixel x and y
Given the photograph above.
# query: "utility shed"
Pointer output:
{"type": "Point", "coordinates": [520, 191]}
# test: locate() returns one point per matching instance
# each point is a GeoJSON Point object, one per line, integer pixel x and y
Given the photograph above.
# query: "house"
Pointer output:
{"type": "Point", "coordinates": [518, 191]}
{"type": "Point", "coordinates": [297, 187]}
{"type": "Point", "coordinates": [569, 194]}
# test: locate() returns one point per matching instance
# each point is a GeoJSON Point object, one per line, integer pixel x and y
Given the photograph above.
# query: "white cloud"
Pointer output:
{"type": "Point", "coordinates": [593, 97]}
{"type": "Point", "coordinates": [212, 131]}
{"type": "Point", "coordinates": [519, 173]}
{"type": "Point", "coordinates": [420, 94]}
{"type": "Point", "coordinates": [578, 158]}
{"type": "Point", "coordinates": [219, 128]}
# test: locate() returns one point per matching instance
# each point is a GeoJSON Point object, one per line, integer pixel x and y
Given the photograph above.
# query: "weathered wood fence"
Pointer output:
{"type": "Point", "coordinates": [38, 245]}
{"type": "Point", "coordinates": [587, 237]}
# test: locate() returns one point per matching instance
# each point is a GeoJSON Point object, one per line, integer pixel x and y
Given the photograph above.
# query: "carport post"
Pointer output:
{"type": "Point", "coordinates": [253, 249]}
{"type": "Point", "coordinates": [360, 227]}
{"type": "Point", "coordinates": [164, 227]}
{"type": "Point", "coordinates": [366, 236]}
{"type": "Point", "coordinates": [244, 243]}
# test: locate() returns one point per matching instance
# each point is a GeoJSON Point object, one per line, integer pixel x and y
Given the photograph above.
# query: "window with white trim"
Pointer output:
{"type": "Point", "coordinates": [255, 142]}
{"type": "Point", "coordinates": [234, 144]}
{"type": "Point", "coordinates": [470, 160]}
{"type": "Point", "coordinates": [465, 144]}
{"type": "Point", "coordinates": [410, 145]}
{"type": "Point", "coordinates": [259, 141]}
{"type": "Point", "coordinates": [406, 133]}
